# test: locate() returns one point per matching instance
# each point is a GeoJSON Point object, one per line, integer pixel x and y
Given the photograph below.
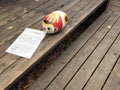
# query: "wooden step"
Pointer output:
{"type": "Point", "coordinates": [89, 62]}
{"type": "Point", "coordinates": [12, 67]}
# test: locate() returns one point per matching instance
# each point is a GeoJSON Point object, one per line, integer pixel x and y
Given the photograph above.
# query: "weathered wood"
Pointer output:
{"type": "Point", "coordinates": [67, 9]}
{"type": "Point", "coordinates": [22, 17]}
{"type": "Point", "coordinates": [115, 3]}
{"type": "Point", "coordinates": [18, 57]}
{"type": "Point", "coordinates": [14, 9]}
{"type": "Point", "coordinates": [57, 66]}
{"type": "Point", "coordinates": [104, 68]}
{"type": "Point", "coordinates": [113, 82]}
{"type": "Point", "coordinates": [17, 65]}
{"type": "Point", "coordinates": [85, 72]}
{"type": "Point", "coordinates": [7, 63]}
{"type": "Point", "coordinates": [29, 7]}
{"type": "Point", "coordinates": [33, 18]}
{"type": "Point", "coordinates": [72, 68]}
{"type": "Point", "coordinates": [114, 8]}
{"type": "Point", "coordinates": [6, 6]}
{"type": "Point", "coordinates": [5, 47]}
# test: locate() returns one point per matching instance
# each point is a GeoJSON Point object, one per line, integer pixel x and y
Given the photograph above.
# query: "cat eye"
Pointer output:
{"type": "Point", "coordinates": [46, 21]}
{"type": "Point", "coordinates": [48, 28]}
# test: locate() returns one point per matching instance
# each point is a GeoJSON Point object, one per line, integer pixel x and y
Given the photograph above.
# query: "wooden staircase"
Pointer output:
{"type": "Point", "coordinates": [91, 62]}
{"type": "Point", "coordinates": [15, 17]}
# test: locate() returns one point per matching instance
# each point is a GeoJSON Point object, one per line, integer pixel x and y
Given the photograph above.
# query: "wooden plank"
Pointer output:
{"type": "Point", "coordinates": [66, 9]}
{"type": "Point", "coordinates": [8, 55]}
{"type": "Point", "coordinates": [71, 69]}
{"type": "Point", "coordinates": [14, 16]}
{"type": "Point", "coordinates": [93, 60]}
{"type": "Point", "coordinates": [6, 62]}
{"type": "Point", "coordinates": [103, 70]}
{"type": "Point", "coordinates": [22, 61]}
{"type": "Point", "coordinates": [115, 3]}
{"type": "Point", "coordinates": [21, 17]}
{"type": "Point", "coordinates": [6, 18]}
{"type": "Point", "coordinates": [5, 8]}
{"type": "Point", "coordinates": [17, 25]}
{"type": "Point", "coordinates": [57, 66]}
{"type": "Point", "coordinates": [9, 6]}
{"type": "Point", "coordinates": [32, 19]}
{"type": "Point", "coordinates": [114, 8]}
{"type": "Point", "coordinates": [96, 4]}
{"type": "Point", "coordinates": [14, 9]}
{"type": "Point", "coordinates": [37, 25]}
{"type": "Point", "coordinates": [2, 48]}
{"type": "Point", "coordinates": [5, 37]}
{"type": "Point", "coordinates": [16, 59]}
{"type": "Point", "coordinates": [113, 82]}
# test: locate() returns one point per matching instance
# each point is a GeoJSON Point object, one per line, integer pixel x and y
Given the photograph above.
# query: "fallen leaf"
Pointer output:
{"type": "Point", "coordinates": [25, 11]}
{"type": "Point", "coordinates": [13, 18]}
{"type": "Point", "coordinates": [109, 27]}
{"type": "Point", "coordinates": [9, 28]}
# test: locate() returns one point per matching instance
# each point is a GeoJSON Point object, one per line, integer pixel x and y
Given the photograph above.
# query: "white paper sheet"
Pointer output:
{"type": "Point", "coordinates": [26, 44]}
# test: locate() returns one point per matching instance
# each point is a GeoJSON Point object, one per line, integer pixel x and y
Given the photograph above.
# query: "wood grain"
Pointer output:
{"type": "Point", "coordinates": [4, 47]}
{"type": "Point", "coordinates": [113, 82]}
{"type": "Point", "coordinates": [14, 69]}
{"type": "Point", "coordinates": [66, 57]}
{"type": "Point", "coordinates": [93, 60]}
{"type": "Point", "coordinates": [104, 68]}
{"type": "Point", "coordinates": [72, 68]}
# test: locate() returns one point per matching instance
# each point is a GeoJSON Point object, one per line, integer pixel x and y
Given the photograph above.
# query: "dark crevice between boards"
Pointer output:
{"type": "Point", "coordinates": [9, 2]}
{"type": "Point", "coordinates": [27, 79]}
